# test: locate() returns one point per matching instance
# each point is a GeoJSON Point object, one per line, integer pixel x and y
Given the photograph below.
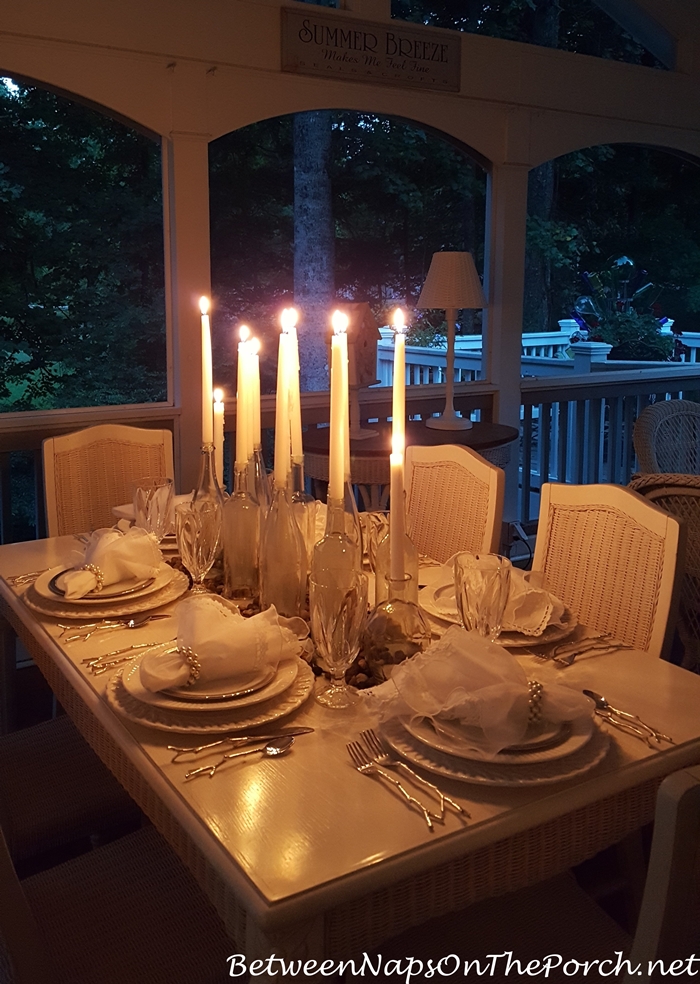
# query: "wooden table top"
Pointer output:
{"type": "Point", "coordinates": [481, 436]}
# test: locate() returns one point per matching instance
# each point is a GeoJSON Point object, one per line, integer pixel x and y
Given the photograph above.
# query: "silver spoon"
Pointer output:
{"type": "Point", "coordinates": [602, 704]}
{"type": "Point", "coordinates": [274, 748]}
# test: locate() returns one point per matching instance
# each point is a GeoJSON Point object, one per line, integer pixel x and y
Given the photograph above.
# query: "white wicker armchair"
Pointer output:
{"type": "Point", "coordinates": [88, 472]}
{"type": "Point", "coordinates": [613, 558]}
{"type": "Point", "coordinates": [666, 437]}
{"type": "Point", "coordinates": [454, 500]}
{"type": "Point", "coordinates": [680, 495]}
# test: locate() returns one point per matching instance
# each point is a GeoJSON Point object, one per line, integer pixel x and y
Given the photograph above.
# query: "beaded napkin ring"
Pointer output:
{"type": "Point", "coordinates": [193, 662]}
{"type": "Point", "coordinates": [99, 575]}
{"type": "Point", "coordinates": [535, 689]}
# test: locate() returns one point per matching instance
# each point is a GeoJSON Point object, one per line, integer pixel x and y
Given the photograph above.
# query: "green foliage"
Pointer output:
{"type": "Point", "coordinates": [635, 336]}
{"type": "Point", "coordinates": [81, 257]}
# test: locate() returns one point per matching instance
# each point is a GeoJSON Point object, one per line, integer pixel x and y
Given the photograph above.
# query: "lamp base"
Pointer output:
{"type": "Point", "coordinates": [449, 420]}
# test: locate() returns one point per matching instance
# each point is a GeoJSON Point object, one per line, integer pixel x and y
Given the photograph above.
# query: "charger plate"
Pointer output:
{"type": "Point", "coordinates": [186, 720]}
{"type": "Point", "coordinates": [496, 773]}
{"type": "Point", "coordinates": [277, 683]}
{"type": "Point", "coordinates": [558, 742]}
{"type": "Point", "coordinates": [176, 587]}
{"type": "Point", "coordinates": [438, 600]}
{"type": "Point", "coordinates": [50, 586]}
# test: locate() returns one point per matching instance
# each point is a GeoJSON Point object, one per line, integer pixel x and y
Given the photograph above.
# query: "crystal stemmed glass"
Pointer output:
{"type": "Point", "coordinates": [481, 591]}
{"type": "Point", "coordinates": [198, 530]}
{"type": "Point", "coordinates": [153, 498]}
{"type": "Point", "coordinates": [338, 604]}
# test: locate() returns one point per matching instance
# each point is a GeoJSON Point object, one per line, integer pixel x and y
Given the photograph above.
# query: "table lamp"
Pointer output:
{"type": "Point", "coordinates": [452, 284]}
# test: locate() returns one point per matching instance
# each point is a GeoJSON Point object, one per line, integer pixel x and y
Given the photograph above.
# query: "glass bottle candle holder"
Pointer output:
{"type": "Point", "coordinates": [304, 508]}
{"type": "Point", "coordinates": [395, 631]}
{"type": "Point", "coordinates": [336, 550]}
{"type": "Point", "coordinates": [383, 568]}
{"type": "Point", "coordinates": [282, 558]}
{"type": "Point", "coordinates": [258, 481]}
{"type": "Point", "coordinates": [241, 538]}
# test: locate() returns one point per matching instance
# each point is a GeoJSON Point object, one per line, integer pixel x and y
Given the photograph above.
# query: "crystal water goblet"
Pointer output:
{"type": "Point", "coordinates": [338, 606]}
{"type": "Point", "coordinates": [153, 500]}
{"type": "Point", "coordinates": [198, 531]}
{"type": "Point", "coordinates": [482, 582]}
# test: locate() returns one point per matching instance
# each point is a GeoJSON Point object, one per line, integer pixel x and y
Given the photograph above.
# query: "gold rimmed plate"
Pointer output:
{"type": "Point", "coordinates": [117, 590]}
{"type": "Point", "coordinates": [229, 689]}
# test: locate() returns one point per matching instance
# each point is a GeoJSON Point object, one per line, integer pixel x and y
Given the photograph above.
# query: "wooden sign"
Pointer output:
{"type": "Point", "coordinates": [394, 52]}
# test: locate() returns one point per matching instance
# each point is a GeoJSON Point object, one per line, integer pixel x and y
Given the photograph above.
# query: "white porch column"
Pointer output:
{"type": "Point", "coordinates": [186, 206]}
{"type": "Point", "coordinates": [504, 272]}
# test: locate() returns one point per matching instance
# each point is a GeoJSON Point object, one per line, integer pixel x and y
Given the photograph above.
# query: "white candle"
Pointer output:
{"type": "Point", "coordinates": [396, 519]}
{"type": "Point", "coordinates": [339, 411]}
{"type": "Point", "coordinates": [254, 356]}
{"type": "Point", "coordinates": [242, 399]}
{"type": "Point", "coordinates": [282, 432]}
{"type": "Point", "coordinates": [398, 410]}
{"type": "Point", "coordinates": [207, 395]}
{"type": "Point", "coordinates": [289, 324]}
{"type": "Point", "coordinates": [346, 405]}
{"type": "Point", "coordinates": [219, 435]}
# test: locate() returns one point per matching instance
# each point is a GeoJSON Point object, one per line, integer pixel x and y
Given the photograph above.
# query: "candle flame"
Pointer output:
{"type": "Point", "coordinates": [244, 333]}
{"type": "Point", "coordinates": [255, 346]}
{"type": "Point", "coordinates": [218, 395]}
{"type": "Point", "coordinates": [399, 320]}
{"type": "Point", "coordinates": [289, 318]}
{"type": "Point", "coordinates": [340, 322]}
{"type": "Point", "coordinates": [204, 304]}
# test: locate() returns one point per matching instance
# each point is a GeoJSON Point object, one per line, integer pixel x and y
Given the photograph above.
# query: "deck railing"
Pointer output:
{"type": "Point", "coordinates": [573, 428]}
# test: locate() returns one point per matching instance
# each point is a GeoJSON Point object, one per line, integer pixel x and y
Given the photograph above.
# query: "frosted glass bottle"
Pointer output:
{"type": "Point", "coordinates": [241, 537]}
{"type": "Point", "coordinates": [283, 559]}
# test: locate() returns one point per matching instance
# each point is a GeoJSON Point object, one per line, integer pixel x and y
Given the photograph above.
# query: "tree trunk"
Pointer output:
{"type": "Point", "coordinates": [314, 243]}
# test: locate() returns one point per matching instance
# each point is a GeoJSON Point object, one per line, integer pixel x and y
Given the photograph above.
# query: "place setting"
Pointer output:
{"type": "Point", "coordinates": [222, 673]}
{"type": "Point", "coordinates": [115, 574]}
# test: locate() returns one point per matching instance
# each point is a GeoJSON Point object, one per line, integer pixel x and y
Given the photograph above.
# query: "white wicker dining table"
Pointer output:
{"type": "Point", "coordinates": [303, 856]}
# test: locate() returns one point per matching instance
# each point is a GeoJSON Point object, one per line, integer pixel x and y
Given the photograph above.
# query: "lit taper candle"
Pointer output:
{"type": "Point", "coordinates": [219, 435]}
{"type": "Point", "coordinates": [339, 406]}
{"type": "Point", "coordinates": [289, 319]}
{"type": "Point", "coordinates": [207, 394]}
{"type": "Point", "coordinates": [282, 430]}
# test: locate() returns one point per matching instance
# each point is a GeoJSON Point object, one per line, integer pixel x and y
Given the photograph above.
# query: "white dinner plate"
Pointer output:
{"type": "Point", "coordinates": [557, 741]}
{"type": "Point", "coordinates": [497, 773]}
{"type": "Point", "coordinates": [438, 600]}
{"type": "Point", "coordinates": [211, 721]}
{"type": "Point", "coordinates": [175, 587]}
{"type": "Point", "coordinates": [120, 591]}
{"type": "Point", "coordinates": [281, 680]}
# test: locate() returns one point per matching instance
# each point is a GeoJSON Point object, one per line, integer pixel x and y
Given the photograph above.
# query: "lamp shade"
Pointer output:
{"type": "Point", "coordinates": [452, 282]}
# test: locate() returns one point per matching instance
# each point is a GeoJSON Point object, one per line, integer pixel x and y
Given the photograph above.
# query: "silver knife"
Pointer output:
{"type": "Point", "coordinates": [235, 741]}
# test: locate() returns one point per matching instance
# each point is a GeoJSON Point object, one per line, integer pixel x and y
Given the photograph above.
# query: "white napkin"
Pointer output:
{"type": "Point", "coordinates": [120, 556]}
{"type": "Point", "coordinates": [226, 644]}
{"type": "Point", "coordinates": [464, 679]}
{"type": "Point", "coordinates": [529, 609]}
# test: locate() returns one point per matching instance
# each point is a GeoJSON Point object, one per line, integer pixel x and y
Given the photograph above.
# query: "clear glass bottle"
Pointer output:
{"type": "Point", "coordinates": [395, 631]}
{"type": "Point", "coordinates": [241, 536]}
{"type": "Point", "coordinates": [282, 558]}
{"type": "Point", "coordinates": [336, 550]}
{"type": "Point", "coordinates": [303, 507]}
{"type": "Point", "coordinates": [207, 485]}
{"type": "Point", "coordinates": [258, 482]}
{"type": "Point", "coordinates": [383, 568]}
{"type": "Point", "coordinates": [353, 527]}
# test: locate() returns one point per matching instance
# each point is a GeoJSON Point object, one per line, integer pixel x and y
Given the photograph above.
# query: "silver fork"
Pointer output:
{"type": "Point", "coordinates": [382, 757]}
{"type": "Point", "coordinates": [364, 764]}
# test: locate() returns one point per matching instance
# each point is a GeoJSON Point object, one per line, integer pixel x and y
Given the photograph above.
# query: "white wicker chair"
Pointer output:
{"type": "Point", "coordinates": [454, 500]}
{"type": "Point", "coordinates": [666, 437]}
{"type": "Point", "coordinates": [613, 558]}
{"type": "Point", "coordinates": [54, 791]}
{"type": "Point", "coordinates": [557, 917]}
{"type": "Point", "coordinates": [680, 495]}
{"type": "Point", "coordinates": [126, 912]}
{"type": "Point", "coordinates": [88, 472]}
